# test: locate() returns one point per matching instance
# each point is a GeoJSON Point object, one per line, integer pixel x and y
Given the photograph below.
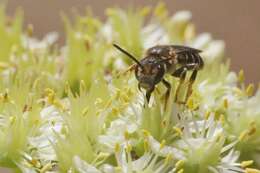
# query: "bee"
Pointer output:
{"type": "Point", "coordinates": [159, 60]}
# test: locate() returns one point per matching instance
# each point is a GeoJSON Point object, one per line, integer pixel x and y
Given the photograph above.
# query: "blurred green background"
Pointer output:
{"type": "Point", "coordinates": [237, 22]}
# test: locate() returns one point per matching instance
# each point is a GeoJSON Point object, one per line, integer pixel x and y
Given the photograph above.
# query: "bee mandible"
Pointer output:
{"type": "Point", "coordinates": [159, 60]}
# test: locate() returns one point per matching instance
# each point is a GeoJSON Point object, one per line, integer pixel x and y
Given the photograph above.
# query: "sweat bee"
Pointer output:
{"type": "Point", "coordinates": [159, 60]}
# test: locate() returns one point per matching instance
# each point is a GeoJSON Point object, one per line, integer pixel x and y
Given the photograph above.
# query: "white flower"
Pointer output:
{"type": "Point", "coordinates": [203, 143]}
{"type": "Point", "coordinates": [154, 35]}
{"type": "Point", "coordinates": [83, 166]}
{"type": "Point", "coordinates": [116, 134]}
{"type": "Point", "coordinates": [148, 163]}
{"type": "Point", "coordinates": [52, 125]}
{"type": "Point", "coordinates": [181, 17]}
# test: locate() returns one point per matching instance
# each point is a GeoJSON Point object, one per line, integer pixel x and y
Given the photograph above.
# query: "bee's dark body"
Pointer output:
{"type": "Point", "coordinates": [172, 59]}
{"type": "Point", "coordinates": [177, 56]}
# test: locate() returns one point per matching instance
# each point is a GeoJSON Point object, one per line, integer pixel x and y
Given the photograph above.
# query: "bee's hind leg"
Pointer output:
{"type": "Point", "coordinates": [191, 81]}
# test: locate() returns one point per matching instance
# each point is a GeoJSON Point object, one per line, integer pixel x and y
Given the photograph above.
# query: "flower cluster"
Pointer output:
{"type": "Point", "coordinates": [71, 109]}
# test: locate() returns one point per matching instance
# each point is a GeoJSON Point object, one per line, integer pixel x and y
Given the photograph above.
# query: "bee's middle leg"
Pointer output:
{"type": "Point", "coordinates": [181, 73]}
{"type": "Point", "coordinates": [167, 94]}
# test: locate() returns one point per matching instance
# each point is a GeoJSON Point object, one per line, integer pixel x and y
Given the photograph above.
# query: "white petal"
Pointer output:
{"type": "Point", "coordinates": [83, 167]}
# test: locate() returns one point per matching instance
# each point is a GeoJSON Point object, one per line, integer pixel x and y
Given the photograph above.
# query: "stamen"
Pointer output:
{"type": "Point", "coordinates": [241, 76]}
{"type": "Point", "coordinates": [250, 90]}
{"type": "Point", "coordinates": [247, 163]}
{"type": "Point", "coordinates": [251, 170]}
{"type": "Point", "coordinates": [162, 144]}
{"type": "Point", "coordinates": [179, 164]}
{"type": "Point", "coordinates": [225, 103]}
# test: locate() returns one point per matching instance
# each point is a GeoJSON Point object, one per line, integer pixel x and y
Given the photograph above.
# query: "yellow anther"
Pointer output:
{"type": "Point", "coordinates": [146, 133]}
{"type": "Point", "coordinates": [12, 120]}
{"type": "Point", "coordinates": [146, 145]}
{"type": "Point", "coordinates": [177, 130]}
{"type": "Point", "coordinates": [145, 11]}
{"type": "Point", "coordinates": [34, 162]}
{"type": "Point", "coordinates": [48, 91]}
{"type": "Point", "coordinates": [222, 118]}
{"type": "Point", "coordinates": [168, 159]}
{"type": "Point", "coordinates": [86, 43]}
{"type": "Point", "coordinates": [4, 96]}
{"type": "Point", "coordinates": [127, 135]}
{"type": "Point", "coordinates": [238, 91]}
{"type": "Point", "coordinates": [50, 99]}
{"type": "Point", "coordinates": [117, 147]}
{"type": "Point", "coordinates": [125, 98]}
{"type": "Point", "coordinates": [58, 104]}
{"type": "Point", "coordinates": [46, 168]}
{"type": "Point", "coordinates": [241, 76]}
{"type": "Point", "coordinates": [252, 130]}
{"type": "Point", "coordinates": [190, 104]}
{"type": "Point", "coordinates": [226, 103]}
{"type": "Point", "coordinates": [162, 144]}
{"type": "Point", "coordinates": [98, 101]}
{"type": "Point", "coordinates": [179, 164]}
{"type": "Point", "coordinates": [160, 10]}
{"type": "Point", "coordinates": [250, 90]}
{"type": "Point", "coordinates": [251, 170]}
{"type": "Point", "coordinates": [85, 111]}
{"type": "Point", "coordinates": [129, 148]}
{"type": "Point", "coordinates": [115, 111]}
{"type": "Point", "coordinates": [242, 135]}
{"type": "Point", "coordinates": [180, 171]}
{"type": "Point", "coordinates": [30, 30]}
{"type": "Point", "coordinates": [207, 114]}
{"type": "Point", "coordinates": [247, 163]}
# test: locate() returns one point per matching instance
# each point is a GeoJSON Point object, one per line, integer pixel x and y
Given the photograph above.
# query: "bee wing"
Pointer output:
{"type": "Point", "coordinates": [166, 50]}
{"type": "Point", "coordinates": [180, 49]}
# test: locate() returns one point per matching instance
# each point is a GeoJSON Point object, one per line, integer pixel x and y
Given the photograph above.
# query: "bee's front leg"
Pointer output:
{"type": "Point", "coordinates": [148, 94]}
{"type": "Point", "coordinates": [131, 68]}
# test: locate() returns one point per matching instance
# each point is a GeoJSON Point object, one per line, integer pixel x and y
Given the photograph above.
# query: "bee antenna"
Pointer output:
{"type": "Point", "coordinates": [128, 54]}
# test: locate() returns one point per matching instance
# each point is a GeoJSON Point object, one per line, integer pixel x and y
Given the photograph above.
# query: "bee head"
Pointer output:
{"type": "Point", "coordinates": [151, 73]}
{"type": "Point", "coordinates": [148, 71]}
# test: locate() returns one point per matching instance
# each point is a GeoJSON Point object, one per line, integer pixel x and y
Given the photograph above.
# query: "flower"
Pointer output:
{"type": "Point", "coordinates": [71, 109]}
